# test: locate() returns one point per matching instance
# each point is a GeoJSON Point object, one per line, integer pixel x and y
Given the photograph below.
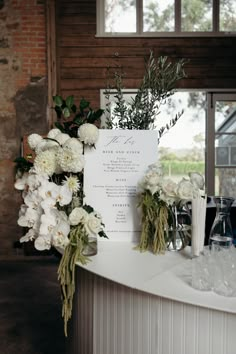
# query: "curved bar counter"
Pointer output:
{"type": "Point", "coordinates": [127, 302]}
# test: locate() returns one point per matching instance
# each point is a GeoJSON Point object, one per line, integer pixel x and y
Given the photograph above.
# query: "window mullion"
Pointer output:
{"type": "Point", "coordinates": [139, 16]}
{"type": "Point", "coordinates": [177, 16]}
{"type": "Point", "coordinates": [100, 17]}
{"type": "Point", "coordinates": [216, 15]}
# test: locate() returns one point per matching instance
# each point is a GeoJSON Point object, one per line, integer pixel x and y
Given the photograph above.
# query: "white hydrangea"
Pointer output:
{"type": "Point", "coordinates": [46, 144]}
{"type": "Point", "coordinates": [61, 138]}
{"type": "Point", "coordinates": [53, 133]}
{"type": "Point", "coordinates": [42, 146]}
{"type": "Point", "coordinates": [74, 144]}
{"type": "Point", "coordinates": [70, 161]}
{"type": "Point", "coordinates": [88, 133]}
{"type": "Point", "coordinates": [45, 162]}
{"type": "Point", "coordinates": [34, 140]}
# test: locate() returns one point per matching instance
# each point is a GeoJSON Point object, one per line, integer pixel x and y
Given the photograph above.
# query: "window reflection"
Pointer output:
{"type": "Point", "coordinates": [120, 16]}
{"type": "Point", "coordinates": [158, 16]}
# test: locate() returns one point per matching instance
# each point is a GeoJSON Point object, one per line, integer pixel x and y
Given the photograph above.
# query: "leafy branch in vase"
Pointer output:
{"type": "Point", "coordinates": [158, 83]}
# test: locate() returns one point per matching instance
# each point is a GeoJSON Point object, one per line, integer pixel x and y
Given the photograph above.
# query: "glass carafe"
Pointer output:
{"type": "Point", "coordinates": [221, 231]}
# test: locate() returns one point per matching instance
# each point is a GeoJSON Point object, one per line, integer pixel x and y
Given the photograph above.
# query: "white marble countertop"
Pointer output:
{"type": "Point", "coordinates": [167, 275]}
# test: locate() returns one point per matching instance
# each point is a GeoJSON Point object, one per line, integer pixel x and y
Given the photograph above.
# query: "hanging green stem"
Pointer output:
{"type": "Point", "coordinates": [154, 223]}
{"type": "Point", "coordinates": [66, 271]}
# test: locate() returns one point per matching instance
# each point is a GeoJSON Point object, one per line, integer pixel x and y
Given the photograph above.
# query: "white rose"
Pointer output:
{"type": "Point", "coordinates": [156, 167]}
{"type": "Point", "coordinates": [78, 215]}
{"type": "Point", "coordinates": [152, 181]}
{"type": "Point", "coordinates": [34, 140]}
{"type": "Point", "coordinates": [93, 224]}
{"type": "Point", "coordinates": [169, 187]}
{"type": "Point", "coordinates": [88, 133]}
{"type": "Point", "coordinates": [197, 179]}
{"type": "Point", "coordinates": [185, 190]}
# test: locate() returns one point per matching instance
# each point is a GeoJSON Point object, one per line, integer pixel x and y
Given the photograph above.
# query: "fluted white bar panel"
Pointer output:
{"type": "Point", "coordinates": [110, 318]}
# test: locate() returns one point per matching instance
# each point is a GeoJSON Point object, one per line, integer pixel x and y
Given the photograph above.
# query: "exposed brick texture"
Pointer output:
{"type": "Point", "coordinates": [23, 99]}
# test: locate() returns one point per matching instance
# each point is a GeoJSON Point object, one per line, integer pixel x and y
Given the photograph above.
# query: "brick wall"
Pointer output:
{"type": "Point", "coordinates": [23, 99]}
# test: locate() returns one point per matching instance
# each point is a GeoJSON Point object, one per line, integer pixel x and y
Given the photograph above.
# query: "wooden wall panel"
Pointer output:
{"type": "Point", "coordinates": [83, 59]}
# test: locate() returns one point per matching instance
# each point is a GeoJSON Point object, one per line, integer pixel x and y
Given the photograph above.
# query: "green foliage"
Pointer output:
{"type": "Point", "coordinates": [70, 117]}
{"type": "Point", "coordinates": [22, 164]}
{"type": "Point", "coordinates": [158, 84]}
{"type": "Point", "coordinates": [156, 19]}
{"type": "Point", "coordinates": [182, 167]}
{"type": "Point", "coordinates": [195, 16]}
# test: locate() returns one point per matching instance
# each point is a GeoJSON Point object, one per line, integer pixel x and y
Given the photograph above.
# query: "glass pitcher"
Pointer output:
{"type": "Point", "coordinates": [221, 231]}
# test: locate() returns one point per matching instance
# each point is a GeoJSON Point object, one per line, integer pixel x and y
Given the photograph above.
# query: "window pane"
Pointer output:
{"type": "Point", "coordinates": [227, 15]}
{"type": "Point", "coordinates": [182, 148]}
{"type": "Point", "coordinates": [158, 16]}
{"type": "Point", "coordinates": [196, 15]}
{"type": "Point", "coordinates": [225, 148]}
{"type": "Point", "coordinates": [225, 182]}
{"type": "Point", "coordinates": [225, 117]}
{"type": "Point", "coordinates": [120, 16]}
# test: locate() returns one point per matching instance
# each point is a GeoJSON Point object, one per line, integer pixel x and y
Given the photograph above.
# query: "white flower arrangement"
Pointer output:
{"type": "Point", "coordinates": [49, 189]}
{"type": "Point", "coordinates": [52, 192]}
{"type": "Point", "coordinates": [168, 190]}
{"type": "Point", "coordinates": [160, 200]}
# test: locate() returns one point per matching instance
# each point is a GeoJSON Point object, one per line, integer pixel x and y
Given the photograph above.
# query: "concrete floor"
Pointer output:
{"type": "Point", "coordinates": [30, 307]}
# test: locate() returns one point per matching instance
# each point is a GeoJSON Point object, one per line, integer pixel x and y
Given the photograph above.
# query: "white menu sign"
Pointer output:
{"type": "Point", "coordinates": [112, 172]}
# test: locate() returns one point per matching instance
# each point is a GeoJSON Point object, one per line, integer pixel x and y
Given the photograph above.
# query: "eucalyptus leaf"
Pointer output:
{"type": "Point", "coordinates": [84, 104]}
{"type": "Point", "coordinates": [58, 100]}
{"type": "Point", "coordinates": [66, 112]}
{"type": "Point", "coordinates": [59, 126]}
{"type": "Point", "coordinates": [69, 101]}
